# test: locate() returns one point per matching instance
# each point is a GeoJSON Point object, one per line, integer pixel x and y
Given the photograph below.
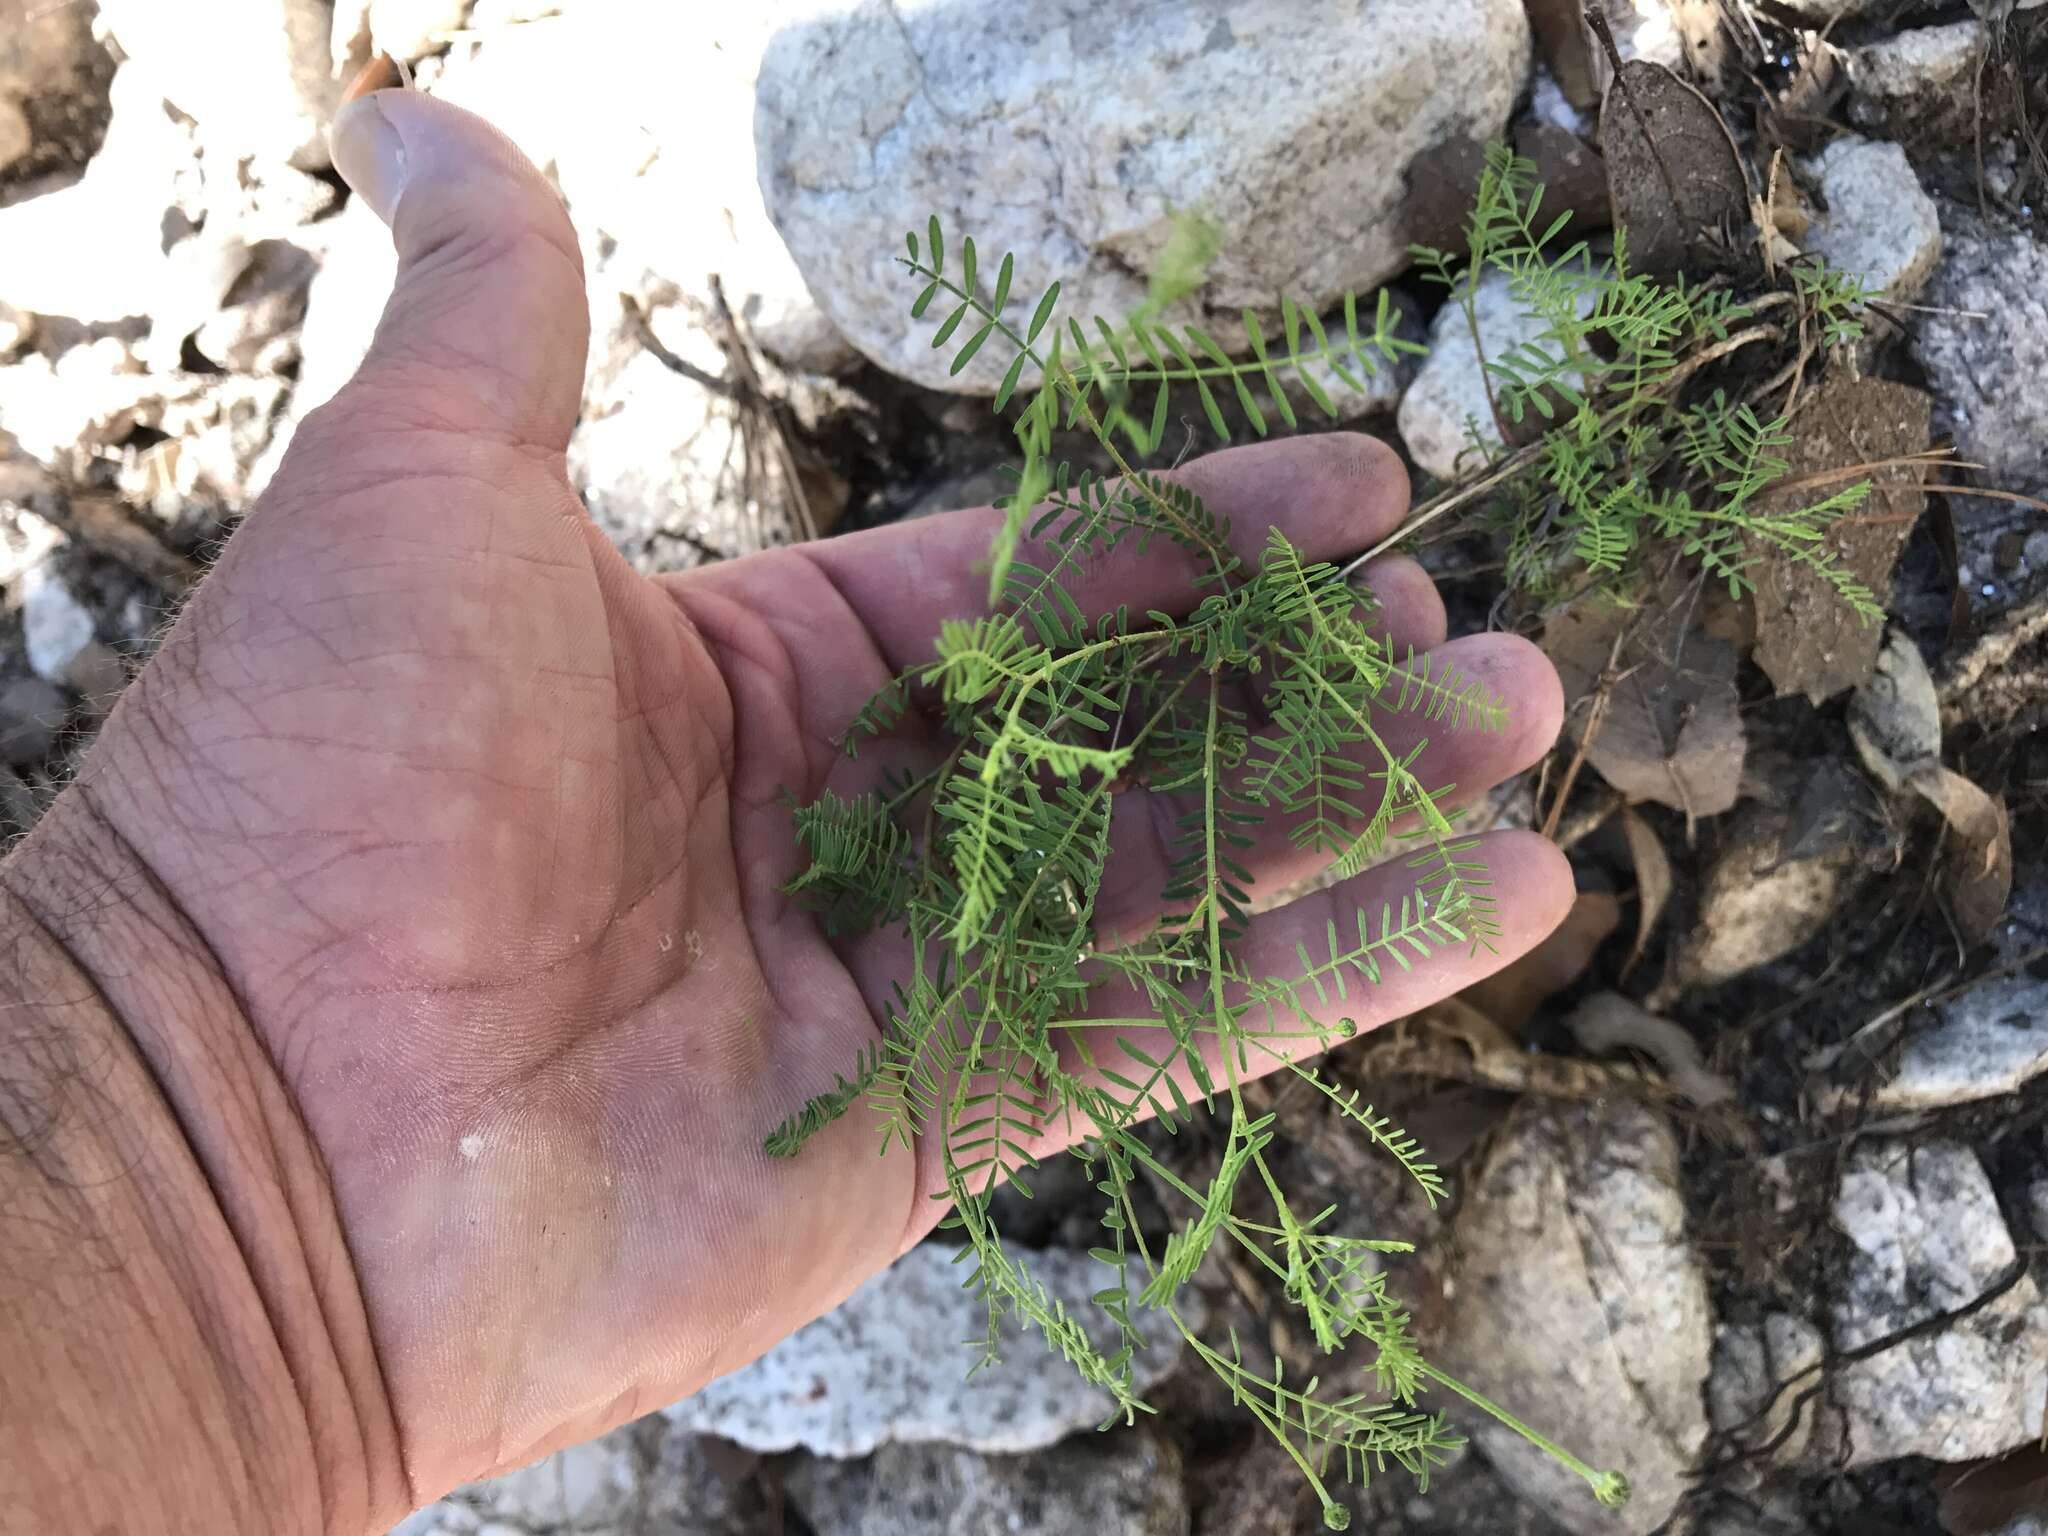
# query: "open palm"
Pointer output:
{"type": "Point", "coordinates": [488, 834]}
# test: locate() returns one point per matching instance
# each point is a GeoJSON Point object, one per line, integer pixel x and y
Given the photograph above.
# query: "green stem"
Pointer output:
{"type": "Point", "coordinates": [1609, 1488]}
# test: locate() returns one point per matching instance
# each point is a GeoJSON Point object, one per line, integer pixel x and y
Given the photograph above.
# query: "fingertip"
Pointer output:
{"type": "Point", "coordinates": [368, 153]}
{"type": "Point", "coordinates": [487, 326]}
{"type": "Point", "coordinates": [461, 165]}
{"type": "Point", "coordinates": [1534, 692]}
{"type": "Point", "coordinates": [1534, 887]}
{"type": "Point", "coordinates": [1361, 458]}
{"type": "Point", "coordinates": [381, 74]}
{"type": "Point", "coordinates": [1360, 496]}
{"type": "Point", "coordinates": [1521, 677]}
{"type": "Point", "coordinates": [1410, 609]}
{"type": "Point", "coordinates": [1333, 494]}
{"type": "Point", "coordinates": [1529, 884]}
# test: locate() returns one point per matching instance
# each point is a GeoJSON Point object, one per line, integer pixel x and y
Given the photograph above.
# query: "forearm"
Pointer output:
{"type": "Point", "coordinates": [184, 1347]}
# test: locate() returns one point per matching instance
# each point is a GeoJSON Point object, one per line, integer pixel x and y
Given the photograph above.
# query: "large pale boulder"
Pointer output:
{"type": "Point", "coordinates": [1072, 133]}
{"type": "Point", "coordinates": [1577, 1301]}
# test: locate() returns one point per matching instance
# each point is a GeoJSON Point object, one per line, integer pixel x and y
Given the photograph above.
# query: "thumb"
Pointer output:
{"type": "Point", "coordinates": [486, 327]}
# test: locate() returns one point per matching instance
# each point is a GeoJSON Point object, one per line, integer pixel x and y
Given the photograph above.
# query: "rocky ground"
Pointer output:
{"type": "Point", "coordinates": [1751, 1164]}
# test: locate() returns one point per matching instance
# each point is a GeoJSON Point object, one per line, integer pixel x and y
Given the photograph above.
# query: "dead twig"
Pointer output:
{"type": "Point", "coordinates": [763, 409]}
{"type": "Point", "coordinates": [643, 329]}
{"type": "Point", "coordinates": [1927, 457]}
{"type": "Point", "coordinates": [1717, 351]}
{"type": "Point", "coordinates": [1979, 490]}
{"type": "Point", "coordinates": [1549, 1077]}
{"type": "Point", "coordinates": [1447, 502]}
{"type": "Point", "coordinates": [1992, 653]}
{"type": "Point", "coordinates": [1595, 718]}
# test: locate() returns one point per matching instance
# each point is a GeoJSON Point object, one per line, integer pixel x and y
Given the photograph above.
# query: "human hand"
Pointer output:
{"type": "Point", "coordinates": [472, 840]}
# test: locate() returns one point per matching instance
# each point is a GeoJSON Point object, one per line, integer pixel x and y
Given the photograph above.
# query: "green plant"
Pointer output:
{"type": "Point", "coordinates": [1629, 448]}
{"type": "Point", "coordinates": [991, 864]}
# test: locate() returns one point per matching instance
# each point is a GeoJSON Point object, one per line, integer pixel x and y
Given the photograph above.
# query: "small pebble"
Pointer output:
{"type": "Point", "coordinates": [56, 626]}
{"type": "Point", "coordinates": [32, 711]}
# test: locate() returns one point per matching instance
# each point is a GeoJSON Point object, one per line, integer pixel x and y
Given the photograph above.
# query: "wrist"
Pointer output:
{"type": "Point", "coordinates": [177, 1276]}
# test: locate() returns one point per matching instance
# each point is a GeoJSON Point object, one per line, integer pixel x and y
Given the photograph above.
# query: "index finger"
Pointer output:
{"type": "Point", "coordinates": [1332, 495]}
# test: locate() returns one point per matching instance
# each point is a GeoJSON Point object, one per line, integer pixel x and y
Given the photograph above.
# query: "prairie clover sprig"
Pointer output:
{"type": "Point", "coordinates": [1002, 1040]}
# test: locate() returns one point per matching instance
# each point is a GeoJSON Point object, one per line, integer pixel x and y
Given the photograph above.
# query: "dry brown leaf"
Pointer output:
{"type": "Point", "coordinates": [1511, 995]}
{"type": "Point", "coordinates": [1978, 878]}
{"type": "Point", "coordinates": [1807, 639]}
{"type": "Point", "coordinates": [1673, 174]}
{"type": "Point", "coordinates": [1986, 1497]}
{"type": "Point", "coordinates": [1653, 881]}
{"type": "Point", "coordinates": [1669, 734]}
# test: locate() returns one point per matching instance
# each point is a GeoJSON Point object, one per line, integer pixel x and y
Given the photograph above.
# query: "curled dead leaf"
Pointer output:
{"type": "Point", "coordinates": [1654, 727]}
{"type": "Point", "coordinates": [1560, 29]}
{"type": "Point", "coordinates": [1978, 877]}
{"type": "Point", "coordinates": [1653, 881]}
{"type": "Point", "coordinates": [1983, 1498]}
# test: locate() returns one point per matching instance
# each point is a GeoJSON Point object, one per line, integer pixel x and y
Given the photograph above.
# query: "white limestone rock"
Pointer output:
{"type": "Point", "coordinates": [1991, 1040]}
{"type": "Point", "coordinates": [1446, 418]}
{"type": "Point", "coordinates": [1928, 1239]}
{"type": "Point", "coordinates": [1071, 133]}
{"type": "Point", "coordinates": [886, 1368]}
{"type": "Point", "coordinates": [1880, 225]}
{"type": "Point", "coordinates": [1984, 343]}
{"type": "Point", "coordinates": [1918, 65]}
